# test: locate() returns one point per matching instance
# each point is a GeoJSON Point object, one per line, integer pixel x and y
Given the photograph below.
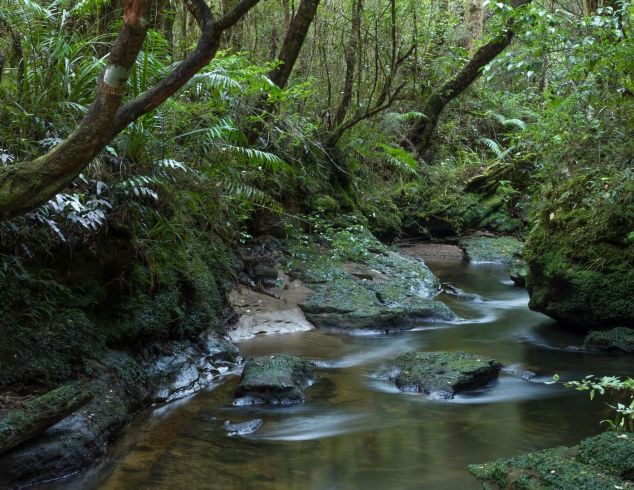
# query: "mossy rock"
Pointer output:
{"type": "Point", "coordinates": [616, 340]}
{"type": "Point", "coordinates": [604, 461]}
{"type": "Point", "coordinates": [73, 443]}
{"type": "Point", "coordinates": [611, 451]}
{"type": "Point", "coordinates": [40, 413]}
{"type": "Point", "coordinates": [442, 374]}
{"type": "Point", "coordinates": [580, 257]}
{"type": "Point", "coordinates": [277, 380]}
{"type": "Point", "coordinates": [497, 250]}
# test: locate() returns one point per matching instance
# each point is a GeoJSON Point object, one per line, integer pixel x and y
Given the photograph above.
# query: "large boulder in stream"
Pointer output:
{"type": "Point", "coordinates": [605, 461]}
{"type": "Point", "coordinates": [442, 374]}
{"type": "Point", "coordinates": [277, 380]}
{"type": "Point", "coordinates": [580, 254]}
{"type": "Point", "coordinates": [367, 286]}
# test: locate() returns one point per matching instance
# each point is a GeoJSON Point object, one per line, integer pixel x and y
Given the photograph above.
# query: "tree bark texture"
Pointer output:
{"type": "Point", "coordinates": [293, 42]}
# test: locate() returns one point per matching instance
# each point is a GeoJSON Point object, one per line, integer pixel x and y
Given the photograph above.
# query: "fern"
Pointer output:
{"type": "Point", "coordinates": [493, 145]}
{"type": "Point", "coordinates": [507, 123]}
{"type": "Point", "coordinates": [257, 158]}
{"type": "Point", "coordinates": [401, 159]}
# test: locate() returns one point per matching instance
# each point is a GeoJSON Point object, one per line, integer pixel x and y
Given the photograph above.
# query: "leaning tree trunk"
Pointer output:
{"type": "Point", "coordinates": [420, 136]}
{"type": "Point", "coordinates": [27, 185]}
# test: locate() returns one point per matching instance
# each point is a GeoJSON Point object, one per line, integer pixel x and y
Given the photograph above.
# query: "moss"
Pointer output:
{"type": "Point", "coordinates": [505, 249]}
{"type": "Point", "coordinates": [358, 283]}
{"type": "Point", "coordinates": [443, 373]}
{"type": "Point", "coordinates": [106, 297]}
{"type": "Point", "coordinates": [383, 215]}
{"type": "Point", "coordinates": [598, 462]}
{"type": "Point", "coordinates": [581, 264]}
{"type": "Point", "coordinates": [275, 379]}
{"type": "Point", "coordinates": [618, 339]}
{"type": "Point", "coordinates": [49, 350]}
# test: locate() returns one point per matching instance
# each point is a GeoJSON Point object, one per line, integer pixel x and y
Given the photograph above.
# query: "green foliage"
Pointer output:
{"type": "Point", "coordinates": [624, 388]}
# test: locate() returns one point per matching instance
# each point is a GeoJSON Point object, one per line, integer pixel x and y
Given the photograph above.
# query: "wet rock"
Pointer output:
{"type": "Point", "coordinates": [492, 249]}
{"type": "Point", "coordinates": [243, 428]}
{"type": "Point", "coordinates": [604, 461]}
{"type": "Point", "coordinates": [442, 374]}
{"type": "Point", "coordinates": [187, 369]}
{"type": "Point", "coordinates": [277, 379]}
{"type": "Point", "coordinates": [619, 339]}
{"type": "Point", "coordinates": [269, 314]}
{"type": "Point", "coordinates": [384, 292]}
{"type": "Point", "coordinates": [460, 294]}
{"type": "Point", "coordinates": [219, 349]}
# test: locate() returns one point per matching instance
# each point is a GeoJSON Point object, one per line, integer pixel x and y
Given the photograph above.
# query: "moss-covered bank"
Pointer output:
{"type": "Point", "coordinates": [605, 461]}
{"type": "Point", "coordinates": [580, 253]}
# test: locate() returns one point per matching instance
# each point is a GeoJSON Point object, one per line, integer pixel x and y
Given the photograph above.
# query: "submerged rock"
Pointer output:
{"type": "Point", "coordinates": [490, 249]}
{"type": "Point", "coordinates": [442, 374]}
{"type": "Point", "coordinates": [604, 461]}
{"type": "Point", "coordinates": [277, 379]}
{"type": "Point", "coordinates": [458, 293]}
{"type": "Point", "coordinates": [243, 428]}
{"type": "Point", "coordinates": [619, 339]}
{"type": "Point", "coordinates": [188, 368]}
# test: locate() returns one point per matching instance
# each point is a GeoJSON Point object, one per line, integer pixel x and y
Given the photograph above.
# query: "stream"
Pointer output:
{"type": "Point", "coordinates": [356, 431]}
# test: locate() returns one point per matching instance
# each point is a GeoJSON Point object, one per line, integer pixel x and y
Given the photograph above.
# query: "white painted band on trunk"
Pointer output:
{"type": "Point", "coordinates": [116, 76]}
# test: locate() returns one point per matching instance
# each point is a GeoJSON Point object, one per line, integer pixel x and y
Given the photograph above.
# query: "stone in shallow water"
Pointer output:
{"type": "Point", "coordinates": [458, 293]}
{"type": "Point", "coordinates": [277, 379]}
{"type": "Point", "coordinates": [616, 340]}
{"type": "Point", "coordinates": [605, 461]}
{"type": "Point", "coordinates": [442, 374]}
{"type": "Point", "coordinates": [243, 428]}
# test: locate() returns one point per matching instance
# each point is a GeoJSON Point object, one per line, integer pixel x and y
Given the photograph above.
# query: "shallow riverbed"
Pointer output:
{"type": "Point", "coordinates": [358, 431]}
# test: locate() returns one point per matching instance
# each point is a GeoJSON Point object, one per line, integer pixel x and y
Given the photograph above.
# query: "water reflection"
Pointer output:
{"type": "Point", "coordinates": [356, 430]}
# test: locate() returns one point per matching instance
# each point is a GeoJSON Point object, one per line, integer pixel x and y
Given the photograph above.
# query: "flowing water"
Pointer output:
{"type": "Point", "coordinates": [356, 431]}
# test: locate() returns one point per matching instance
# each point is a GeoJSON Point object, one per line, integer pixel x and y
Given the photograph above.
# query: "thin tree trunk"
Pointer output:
{"type": "Point", "coordinates": [473, 23]}
{"type": "Point", "coordinates": [291, 47]}
{"type": "Point", "coordinates": [420, 136]}
{"type": "Point", "coordinates": [351, 63]}
{"type": "Point", "coordinates": [293, 42]}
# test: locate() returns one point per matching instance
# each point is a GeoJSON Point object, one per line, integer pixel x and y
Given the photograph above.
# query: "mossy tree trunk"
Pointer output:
{"type": "Point", "coordinates": [26, 185]}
